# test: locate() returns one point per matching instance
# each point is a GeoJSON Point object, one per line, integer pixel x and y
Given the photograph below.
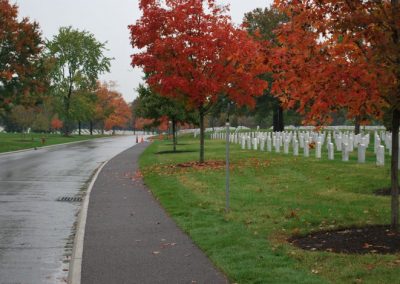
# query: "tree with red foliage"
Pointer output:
{"type": "Point", "coordinates": [337, 54]}
{"type": "Point", "coordinates": [22, 66]}
{"type": "Point", "coordinates": [190, 51]}
{"type": "Point", "coordinates": [56, 123]}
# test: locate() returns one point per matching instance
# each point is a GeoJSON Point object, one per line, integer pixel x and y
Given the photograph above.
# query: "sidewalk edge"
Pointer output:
{"type": "Point", "coordinates": [75, 266]}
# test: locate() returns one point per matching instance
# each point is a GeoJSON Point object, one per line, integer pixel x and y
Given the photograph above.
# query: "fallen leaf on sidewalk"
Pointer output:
{"type": "Point", "coordinates": [137, 176]}
{"type": "Point", "coordinates": [156, 252]}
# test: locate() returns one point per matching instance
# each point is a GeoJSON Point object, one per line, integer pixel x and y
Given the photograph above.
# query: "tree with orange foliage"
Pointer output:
{"type": "Point", "coordinates": [21, 62]}
{"type": "Point", "coordinates": [337, 54]}
{"type": "Point", "coordinates": [191, 52]}
{"type": "Point", "coordinates": [111, 110]}
{"type": "Point", "coordinates": [121, 114]}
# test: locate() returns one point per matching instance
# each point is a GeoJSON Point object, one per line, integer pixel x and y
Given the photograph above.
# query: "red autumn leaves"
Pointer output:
{"type": "Point", "coordinates": [191, 51]}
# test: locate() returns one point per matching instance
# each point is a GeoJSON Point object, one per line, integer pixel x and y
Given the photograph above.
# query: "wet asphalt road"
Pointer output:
{"type": "Point", "coordinates": [34, 226]}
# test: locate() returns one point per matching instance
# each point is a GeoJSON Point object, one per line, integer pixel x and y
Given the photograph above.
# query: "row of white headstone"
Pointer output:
{"type": "Point", "coordinates": [344, 142]}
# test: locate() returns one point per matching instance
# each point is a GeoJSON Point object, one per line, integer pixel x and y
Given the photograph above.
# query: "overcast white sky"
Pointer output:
{"type": "Point", "coordinates": [108, 21]}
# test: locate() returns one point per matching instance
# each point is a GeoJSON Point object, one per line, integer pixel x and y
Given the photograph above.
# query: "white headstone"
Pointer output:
{"type": "Point", "coordinates": [339, 143]}
{"type": "Point", "coordinates": [361, 153]}
{"type": "Point", "coordinates": [380, 156]}
{"type": "Point", "coordinates": [318, 150]}
{"type": "Point", "coordinates": [301, 140]}
{"type": "Point", "coordinates": [277, 147]}
{"type": "Point", "coordinates": [262, 144]}
{"type": "Point", "coordinates": [296, 148]}
{"type": "Point", "coordinates": [255, 144]}
{"type": "Point", "coordinates": [350, 145]}
{"type": "Point", "coordinates": [306, 150]}
{"type": "Point", "coordinates": [331, 151]}
{"type": "Point", "coordinates": [286, 147]}
{"type": "Point", "coordinates": [345, 152]}
{"type": "Point", "coordinates": [377, 143]}
{"type": "Point", "coordinates": [269, 144]}
{"type": "Point", "coordinates": [329, 140]}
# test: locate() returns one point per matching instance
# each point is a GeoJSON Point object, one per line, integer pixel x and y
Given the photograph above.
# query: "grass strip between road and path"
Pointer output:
{"type": "Point", "coordinates": [17, 141]}
{"type": "Point", "coordinates": [273, 197]}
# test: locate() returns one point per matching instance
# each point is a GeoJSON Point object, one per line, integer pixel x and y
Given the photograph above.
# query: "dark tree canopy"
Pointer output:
{"type": "Point", "coordinates": [261, 24]}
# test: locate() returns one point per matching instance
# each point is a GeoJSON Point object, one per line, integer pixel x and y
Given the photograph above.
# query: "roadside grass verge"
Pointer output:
{"type": "Point", "coordinates": [273, 197]}
{"type": "Point", "coordinates": [17, 141]}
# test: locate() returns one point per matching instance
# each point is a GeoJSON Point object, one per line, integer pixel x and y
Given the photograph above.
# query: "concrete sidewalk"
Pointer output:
{"type": "Point", "coordinates": [130, 239]}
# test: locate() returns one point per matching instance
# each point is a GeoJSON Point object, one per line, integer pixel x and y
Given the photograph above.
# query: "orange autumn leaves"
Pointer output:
{"type": "Point", "coordinates": [111, 108]}
{"type": "Point", "coordinates": [337, 54]}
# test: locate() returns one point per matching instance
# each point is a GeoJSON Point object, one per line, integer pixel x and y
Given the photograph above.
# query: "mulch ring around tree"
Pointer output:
{"type": "Point", "coordinates": [386, 191]}
{"type": "Point", "coordinates": [370, 239]}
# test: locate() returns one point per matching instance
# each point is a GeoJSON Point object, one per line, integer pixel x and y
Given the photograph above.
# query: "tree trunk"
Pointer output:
{"type": "Point", "coordinates": [394, 170]}
{"type": "Point", "coordinates": [281, 124]}
{"type": "Point", "coordinates": [79, 127]}
{"type": "Point", "coordinates": [278, 124]}
{"type": "Point", "coordinates": [67, 101]}
{"type": "Point", "coordinates": [357, 126]}
{"type": "Point", "coordinates": [174, 134]}
{"type": "Point", "coordinates": [275, 119]}
{"type": "Point", "coordinates": [395, 140]}
{"type": "Point", "coordinates": [91, 127]}
{"type": "Point", "coordinates": [201, 112]}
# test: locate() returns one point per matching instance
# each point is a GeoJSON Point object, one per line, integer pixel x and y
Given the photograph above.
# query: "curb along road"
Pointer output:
{"type": "Point", "coordinates": [75, 266]}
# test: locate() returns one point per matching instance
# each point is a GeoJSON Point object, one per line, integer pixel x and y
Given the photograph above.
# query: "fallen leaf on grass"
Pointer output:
{"type": "Point", "coordinates": [370, 267]}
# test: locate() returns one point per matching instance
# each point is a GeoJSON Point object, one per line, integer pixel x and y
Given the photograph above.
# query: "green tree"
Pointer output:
{"type": "Point", "coordinates": [22, 117]}
{"type": "Point", "coordinates": [78, 61]}
{"type": "Point", "coordinates": [83, 108]}
{"type": "Point", "coordinates": [41, 123]}
{"type": "Point", "coordinates": [153, 106]}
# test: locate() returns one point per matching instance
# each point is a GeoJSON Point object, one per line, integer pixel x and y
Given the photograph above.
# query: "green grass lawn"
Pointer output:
{"type": "Point", "coordinates": [273, 196]}
{"type": "Point", "coordinates": [14, 142]}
